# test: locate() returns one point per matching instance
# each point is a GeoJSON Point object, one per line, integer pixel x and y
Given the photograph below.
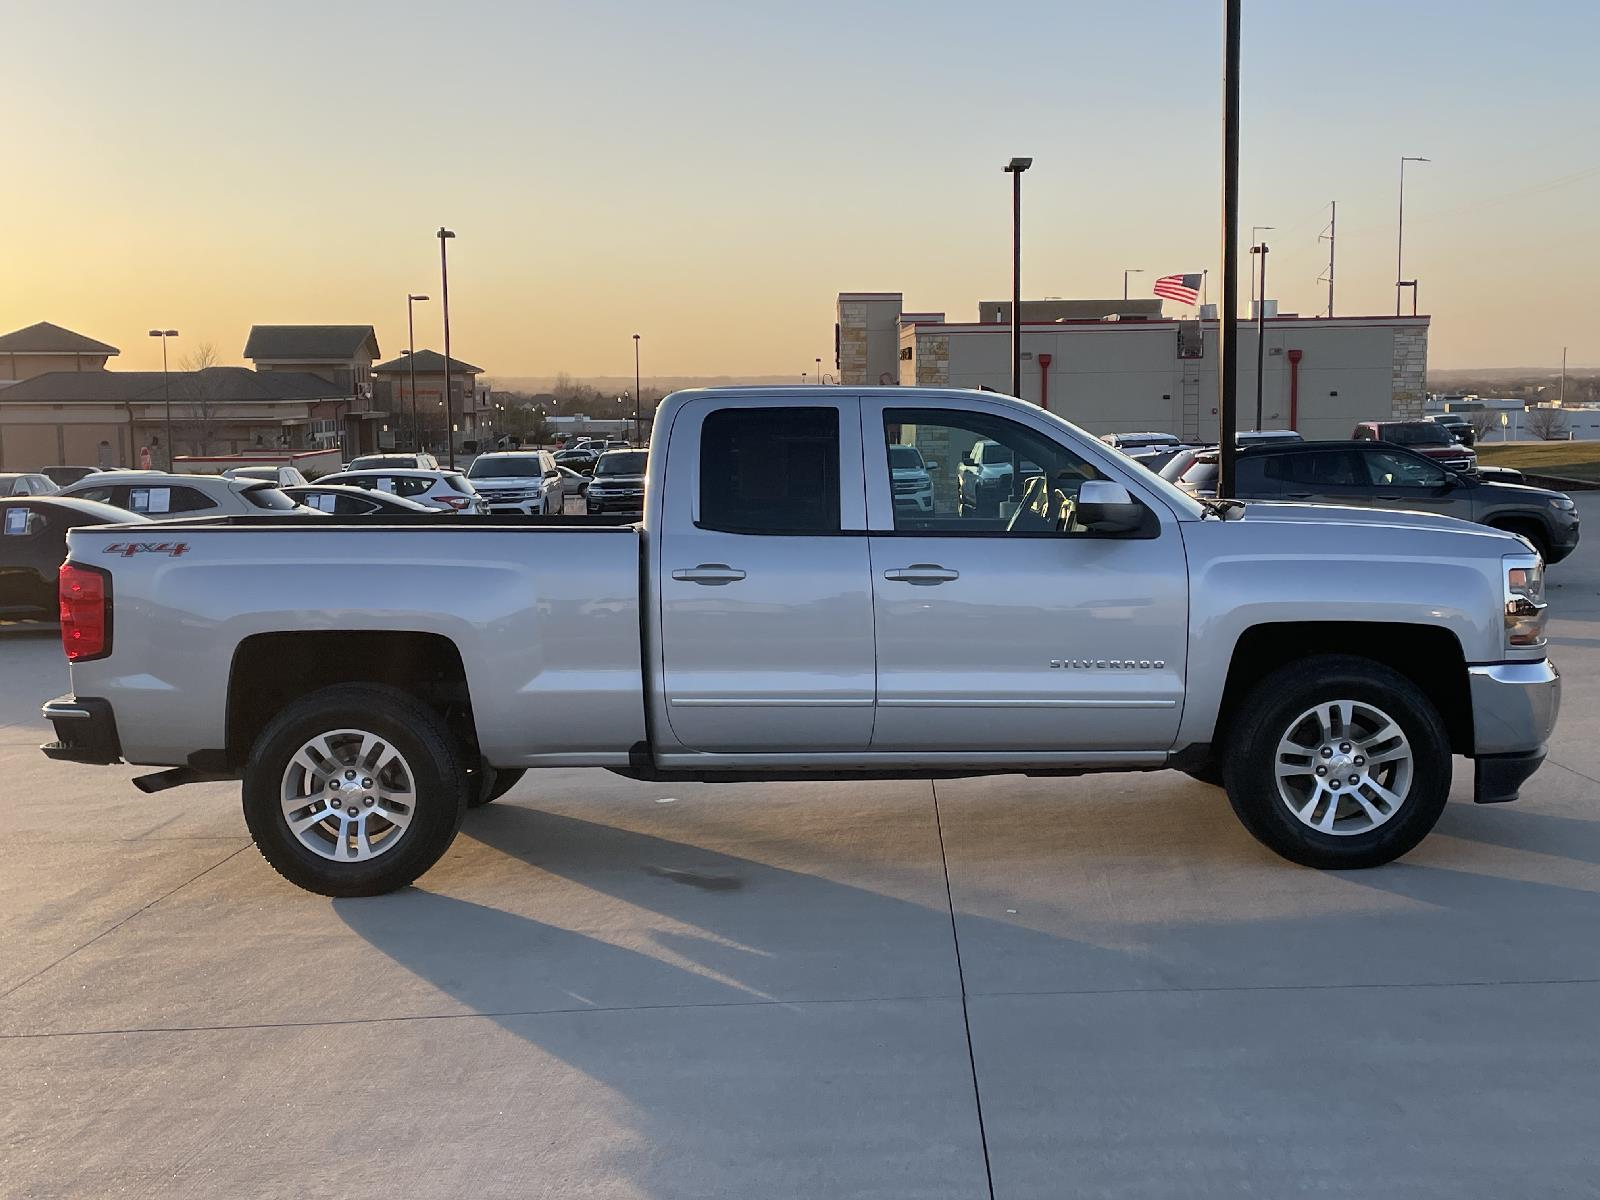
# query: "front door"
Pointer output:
{"type": "Point", "coordinates": [1003, 626]}
{"type": "Point", "coordinates": [766, 599]}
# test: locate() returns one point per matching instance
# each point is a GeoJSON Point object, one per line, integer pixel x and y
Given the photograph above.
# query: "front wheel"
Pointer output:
{"type": "Point", "coordinates": [355, 790]}
{"type": "Point", "coordinates": [1338, 762]}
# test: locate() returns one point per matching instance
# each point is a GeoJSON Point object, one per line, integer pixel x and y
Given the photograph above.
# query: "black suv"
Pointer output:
{"type": "Point", "coordinates": [1379, 475]}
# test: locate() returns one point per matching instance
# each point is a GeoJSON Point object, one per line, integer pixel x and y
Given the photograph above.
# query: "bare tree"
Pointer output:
{"type": "Point", "coordinates": [1546, 424]}
{"type": "Point", "coordinates": [1484, 421]}
{"type": "Point", "coordinates": [204, 355]}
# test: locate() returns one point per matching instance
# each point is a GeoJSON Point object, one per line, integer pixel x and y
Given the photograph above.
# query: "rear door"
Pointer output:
{"type": "Point", "coordinates": [1332, 476]}
{"type": "Point", "coordinates": [1400, 479]}
{"type": "Point", "coordinates": [1004, 626]}
{"type": "Point", "coordinates": [765, 605]}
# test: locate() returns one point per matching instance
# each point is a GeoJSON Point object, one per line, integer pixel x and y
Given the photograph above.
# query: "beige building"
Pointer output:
{"type": "Point", "coordinates": [474, 416]}
{"type": "Point", "coordinates": [1131, 370]}
{"type": "Point", "coordinates": [44, 347]}
{"type": "Point", "coordinates": [341, 354]}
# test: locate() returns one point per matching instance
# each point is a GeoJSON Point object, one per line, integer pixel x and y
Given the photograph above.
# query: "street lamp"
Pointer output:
{"type": "Point", "coordinates": [1261, 327]}
{"type": "Point", "coordinates": [1125, 274]}
{"type": "Point", "coordinates": [444, 235]}
{"type": "Point", "coordinates": [1254, 230]}
{"type": "Point", "coordinates": [818, 375]}
{"type": "Point", "coordinates": [411, 342]}
{"type": "Point", "coordinates": [1400, 234]}
{"type": "Point", "coordinates": [638, 424]}
{"type": "Point", "coordinates": [1015, 168]}
{"type": "Point", "coordinates": [166, 388]}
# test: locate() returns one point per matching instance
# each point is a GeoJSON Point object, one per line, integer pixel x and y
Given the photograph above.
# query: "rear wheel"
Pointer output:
{"type": "Point", "coordinates": [355, 790]}
{"type": "Point", "coordinates": [1338, 762]}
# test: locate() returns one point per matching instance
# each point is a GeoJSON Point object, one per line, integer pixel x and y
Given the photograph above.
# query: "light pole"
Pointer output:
{"type": "Point", "coordinates": [166, 386]}
{"type": "Point", "coordinates": [1254, 230]}
{"type": "Point", "coordinates": [1261, 327]}
{"type": "Point", "coordinates": [1400, 231]}
{"type": "Point", "coordinates": [444, 236]}
{"type": "Point", "coordinates": [1228, 325]}
{"type": "Point", "coordinates": [411, 353]}
{"type": "Point", "coordinates": [638, 421]}
{"type": "Point", "coordinates": [1015, 168]}
{"type": "Point", "coordinates": [1125, 274]}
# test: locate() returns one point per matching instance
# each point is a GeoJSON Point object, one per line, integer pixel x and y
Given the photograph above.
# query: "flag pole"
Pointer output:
{"type": "Point", "coordinates": [1205, 276]}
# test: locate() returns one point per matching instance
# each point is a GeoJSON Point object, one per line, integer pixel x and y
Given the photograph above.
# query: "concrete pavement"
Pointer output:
{"type": "Point", "coordinates": [617, 989]}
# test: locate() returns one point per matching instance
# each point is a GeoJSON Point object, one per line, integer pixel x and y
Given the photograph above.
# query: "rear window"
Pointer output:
{"type": "Point", "coordinates": [770, 470]}
{"type": "Point", "coordinates": [1201, 474]}
{"type": "Point", "coordinates": [375, 462]}
{"type": "Point", "coordinates": [269, 497]}
{"type": "Point", "coordinates": [459, 481]}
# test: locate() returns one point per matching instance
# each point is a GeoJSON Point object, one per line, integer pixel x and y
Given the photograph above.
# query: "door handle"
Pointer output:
{"type": "Point", "coordinates": [923, 574]}
{"type": "Point", "coordinates": [710, 574]}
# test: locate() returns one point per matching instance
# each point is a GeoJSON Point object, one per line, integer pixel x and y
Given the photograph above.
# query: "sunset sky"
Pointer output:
{"type": "Point", "coordinates": [710, 175]}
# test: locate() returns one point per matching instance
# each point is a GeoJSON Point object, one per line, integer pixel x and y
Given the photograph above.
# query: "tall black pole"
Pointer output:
{"type": "Point", "coordinates": [411, 359]}
{"type": "Point", "coordinates": [166, 395]}
{"type": "Point", "coordinates": [638, 421]}
{"type": "Point", "coordinates": [1016, 284]}
{"type": "Point", "coordinates": [1228, 350]}
{"type": "Point", "coordinates": [449, 392]}
{"type": "Point", "coordinates": [1261, 333]}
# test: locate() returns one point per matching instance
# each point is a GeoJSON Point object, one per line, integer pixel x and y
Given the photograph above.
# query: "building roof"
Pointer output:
{"type": "Point", "coordinates": [310, 343]}
{"type": "Point", "coordinates": [223, 385]}
{"type": "Point", "coordinates": [45, 338]}
{"type": "Point", "coordinates": [427, 362]}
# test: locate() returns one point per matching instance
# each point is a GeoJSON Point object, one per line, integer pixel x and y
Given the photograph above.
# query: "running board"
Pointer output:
{"type": "Point", "coordinates": [160, 781]}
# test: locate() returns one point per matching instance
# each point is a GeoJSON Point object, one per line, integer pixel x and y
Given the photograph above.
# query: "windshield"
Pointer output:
{"type": "Point", "coordinates": [1420, 434]}
{"type": "Point", "coordinates": [905, 458]}
{"type": "Point", "coordinates": [505, 468]}
{"type": "Point", "coordinates": [622, 462]}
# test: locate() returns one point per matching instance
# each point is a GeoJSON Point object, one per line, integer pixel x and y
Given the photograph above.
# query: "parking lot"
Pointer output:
{"type": "Point", "coordinates": [1030, 987]}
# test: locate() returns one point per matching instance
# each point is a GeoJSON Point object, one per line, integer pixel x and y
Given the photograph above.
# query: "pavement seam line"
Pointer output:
{"type": "Point", "coordinates": [1574, 770]}
{"type": "Point", "coordinates": [961, 980]}
{"type": "Point", "coordinates": [119, 924]}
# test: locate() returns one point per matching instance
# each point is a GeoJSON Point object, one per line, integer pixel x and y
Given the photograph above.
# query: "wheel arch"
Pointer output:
{"type": "Point", "coordinates": [1428, 655]}
{"type": "Point", "coordinates": [271, 670]}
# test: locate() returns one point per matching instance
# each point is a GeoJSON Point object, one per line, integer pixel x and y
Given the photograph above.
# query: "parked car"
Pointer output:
{"type": "Point", "coordinates": [911, 479]}
{"type": "Point", "coordinates": [447, 490]}
{"type": "Point", "coordinates": [284, 477]}
{"type": "Point", "coordinates": [618, 483]}
{"type": "Point", "coordinates": [1266, 437]}
{"type": "Point", "coordinates": [62, 476]}
{"type": "Point", "coordinates": [420, 461]}
{"type": "Point", "coordinates": [26, 483]}
{"type": "Point", "coordinates": [572, 483]}
{"type": "Point", "coordinates": [1500, 474]}
{"type": "Point", "coordinates": [1380, 475]}
{"type": "Point", "coordinates": [163, 497]}
{"type": "Point", "coordinates": [774, 615]}
{"type": "Point", "coordinates": [33, 545]}
{"type": "Point", "coordinates": [581, 461]}
{"type": "Point", "coordinates": [1127, 442]}
{"type": "Point", "coordinates": [343, 500]}
{"type": "Point", "coordinates": [1459, 426]}
{"type": "Point", "coordinates": [518, 481]}
{"type": "Point", "coordinates": [1427, 438]}
{"type": "Point", "coordinates": [984, 479]}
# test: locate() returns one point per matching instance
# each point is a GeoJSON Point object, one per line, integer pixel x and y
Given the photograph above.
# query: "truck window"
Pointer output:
{"type": "Point", "coordinates": [984, 474]}
{"type": "Point", "coordinates": [770, 470]}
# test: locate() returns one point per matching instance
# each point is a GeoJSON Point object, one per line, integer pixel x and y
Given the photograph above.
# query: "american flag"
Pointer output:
{"type": "Point", "coordinates": [1185, 289]}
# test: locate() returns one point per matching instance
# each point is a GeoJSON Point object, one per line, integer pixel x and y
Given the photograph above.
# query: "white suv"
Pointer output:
{"type": "Point", "coordinates": [518, 481]}
{"type": "Point", "coordinates": [448, 491]}
{"type": "Point", "coordinates": [163, 497]}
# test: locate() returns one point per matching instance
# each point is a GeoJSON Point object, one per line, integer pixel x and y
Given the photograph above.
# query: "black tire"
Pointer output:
{"type": "Point", "coordinates": [1264, 717]}
{"type": "Point", "coordinates": [486, 784]}
{"type": "Point", "coordinates": [421, 737]}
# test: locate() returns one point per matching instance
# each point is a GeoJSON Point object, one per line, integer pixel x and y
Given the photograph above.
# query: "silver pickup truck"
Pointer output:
{"type": "Point", "coordinates": [790, 607]}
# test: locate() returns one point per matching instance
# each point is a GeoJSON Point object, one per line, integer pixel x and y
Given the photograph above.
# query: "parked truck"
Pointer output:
{"type": "Point", "coordinates": [775, 614]}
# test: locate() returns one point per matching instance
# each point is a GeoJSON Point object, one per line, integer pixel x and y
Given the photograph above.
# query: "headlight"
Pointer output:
{"type": "Point", "coordinates": [1564, 504]}
{"type": "Point", "coordinates": [1526, 609]}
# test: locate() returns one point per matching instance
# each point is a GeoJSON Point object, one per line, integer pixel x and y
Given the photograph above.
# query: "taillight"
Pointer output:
{"type": "Point", "coordinates": [459, 503]}
{"type": "Point", "coordinates": [85, 594]}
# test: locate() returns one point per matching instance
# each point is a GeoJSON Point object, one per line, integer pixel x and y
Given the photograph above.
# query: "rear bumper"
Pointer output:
{"type": "Point", "coordinates": [86, 731]}
{"type": "Point", "coordinates": [1514, 710]}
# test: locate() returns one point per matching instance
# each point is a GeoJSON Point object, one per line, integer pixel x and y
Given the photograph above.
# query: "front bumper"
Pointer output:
{"type": "Point", "coordinates": [1514, 710]}
{"type": "Point", "coordinates": [86, 731]}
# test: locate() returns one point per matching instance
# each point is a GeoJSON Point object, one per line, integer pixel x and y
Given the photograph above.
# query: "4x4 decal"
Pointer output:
{"type": "Point", "coordinates": [129, 549]}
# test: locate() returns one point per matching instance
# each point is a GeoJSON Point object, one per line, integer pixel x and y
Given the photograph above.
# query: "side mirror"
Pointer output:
{"type": "Point", "coordinates": [1106, 507]}
{"type": "Point", "coordinates": [966, 461]}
